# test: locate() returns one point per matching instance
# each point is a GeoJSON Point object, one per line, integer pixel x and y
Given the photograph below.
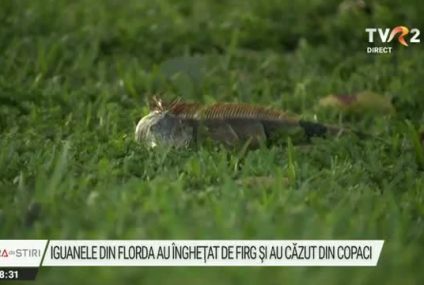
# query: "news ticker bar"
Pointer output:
{"type": "Point", "coordinates": [28, 255]}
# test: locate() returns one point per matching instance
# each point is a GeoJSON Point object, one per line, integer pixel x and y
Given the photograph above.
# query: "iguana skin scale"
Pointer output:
{"type": "Point", "coordinates": [231, 124]}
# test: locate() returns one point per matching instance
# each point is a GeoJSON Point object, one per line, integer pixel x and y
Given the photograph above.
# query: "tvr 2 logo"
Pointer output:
{"type": "Point", "coordinates": [386, 36]}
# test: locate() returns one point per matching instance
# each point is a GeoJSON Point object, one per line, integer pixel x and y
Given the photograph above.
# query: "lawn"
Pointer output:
{"type": "Point", "coordinates": [76, 76]}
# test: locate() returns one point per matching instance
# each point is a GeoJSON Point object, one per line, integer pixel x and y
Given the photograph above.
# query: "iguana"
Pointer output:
{"type": "Point", "coordinates": [181, 124]}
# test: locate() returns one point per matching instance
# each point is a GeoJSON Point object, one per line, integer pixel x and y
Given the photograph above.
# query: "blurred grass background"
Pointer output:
{"type": "Point", "coordinates": [75, 77]}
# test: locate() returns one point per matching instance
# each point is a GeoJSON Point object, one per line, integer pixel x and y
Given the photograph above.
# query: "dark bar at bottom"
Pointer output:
{"type": "Point", "coordinates": [18, 273]}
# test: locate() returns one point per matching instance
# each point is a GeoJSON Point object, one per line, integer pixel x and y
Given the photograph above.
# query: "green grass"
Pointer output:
{"type": "Point", "coordinates": [75, 77]}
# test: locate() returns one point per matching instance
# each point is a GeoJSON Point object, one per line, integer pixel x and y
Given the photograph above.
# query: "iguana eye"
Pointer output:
{"type": "Point", "coordinates": [153, 127]}
{"type": "Point", "coordinates": [157, 126]}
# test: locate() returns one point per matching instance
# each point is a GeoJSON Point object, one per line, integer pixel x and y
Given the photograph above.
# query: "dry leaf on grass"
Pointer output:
{"type": "Point", "coordinates": [365, 101]}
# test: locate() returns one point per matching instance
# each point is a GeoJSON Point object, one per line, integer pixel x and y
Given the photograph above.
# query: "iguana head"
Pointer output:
{"type": "Point", "coordinates": [160, 127]}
